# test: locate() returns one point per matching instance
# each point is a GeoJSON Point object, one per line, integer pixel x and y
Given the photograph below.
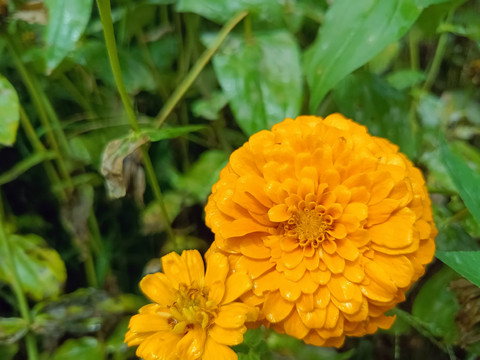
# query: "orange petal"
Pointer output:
{"type": "Point", "coordinates": [346, 249]}
{"type": "Point", "coordinates": [322, 297]}
{"type": "Point", "coordinates": [241, 227]}
{"type": "Point", "coordinates": [307, 284]}
{"type": "Point", "coordinates": [290, 290]}
{"type": "Point", "coordinates": [176, 269]}
{"type": "Point", "coordinates": [338, 232]}
{"type": "Point", "coordinates": [334, 262]}
{"type": "Point", "coordinates": [217, 291]}
{"type": "Point", "coordinates": [312, 262]}
{"type": "Point", "coordinates": [399, 268]}
{"type": "Point", "coordinates": [214, 350]}
{"type": "Point", "coordinates": [378, 274]}
{"type": "Point", "coordinates": [333, 315]}
{"type": "Point", "coordinates": [306, 186]}
{"type": "Point", "coordinates": [279, 213]}
{"type": "Point", "coordinates": [232, 315]}
{"type": "Point", "coordinates": [395, 233]}
{"type": "Point", "coordinates": [266, 282]}
{"type": "Point", "coordinates": [320, 277]}
{"type": "Point", "coordinates": [288, 243]}
{"type": "Point", "coordinates": [377, 292]}
{"type": "Point", "coordinates": [329, 246]}
{"type": "Point", "coordinates": [192, 345]}
{"type": "Point", "coordinates": [237, 284]}
{"type": "Point", "coordinates": [305, 303]}
{"type": "Point", "coordinates": [145, 323]}
{"type": "Point", "coordinates": [353, 271]}
{"type": "Point", "coordinates": [217, 268]}
{"type": "Point", "coordinates": [358, 209]}
{"type": "Point", "coordinates": [253, 267]}
{"type": "Point", "coordinates": [380, 212]}
{"type": "Point", "coordinates": [158, 346]}
{"type": "Point", "coordinates": [342, 289]}
{"type": "Point", "coordinates": [351, 306]}
{"type": "Point", "coordinates": [293, 258]}
{"type": "Point", "coordinates": [276, 308]}
{"type": "Point", "coordinates": [296, 273]}
{"type": "Point", "coordinates": [227, 336]}
{"type": "Point", "coordinates": [157, 288]}
{"type": "Point", "coordinates": [195, 265]}
{"type": "Point", "coordinates": [294, 326]}
{"type": "Point", "coordinates": [314, 319]}
{"type": "Point", "coordinates": [381, 188]}
{"type": "Point", "coordinates": [253, 247]}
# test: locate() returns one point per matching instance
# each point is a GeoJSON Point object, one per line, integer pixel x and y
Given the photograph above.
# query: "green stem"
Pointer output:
{"type": "Point", "coordinates": [413, 48]}
{"type": "Point", "coordinates": [17, 290]}
{"type": "Point", "coordinates": [38, 102]}
{"type": "Point", "coordinates": [196, 69]}
{"type": "Point", "coordinates": [105, 15]}
{"type": "Point", "coordinates": [438, 57]}
{"type": "Point", "coordinates": [248, 29]}
{"type": "Point", "coordinates": [106, 18]}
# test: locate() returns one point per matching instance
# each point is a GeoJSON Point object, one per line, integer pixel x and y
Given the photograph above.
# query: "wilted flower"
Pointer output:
{"type": "Point", "coordinates": [195, 314]}
{"type": "Point", "coordinates": [332, 224]}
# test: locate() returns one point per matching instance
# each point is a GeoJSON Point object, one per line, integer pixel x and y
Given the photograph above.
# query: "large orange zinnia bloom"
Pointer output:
{"type": "Point", "coordinates": [195, 315]}
{"type": "Point", "coordinates": [332, 224]}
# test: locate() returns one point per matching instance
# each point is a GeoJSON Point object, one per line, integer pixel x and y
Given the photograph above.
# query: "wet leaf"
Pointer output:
{"type": "Point", "coordinates": [211, 107]}
{"type": "Point", "coordinates": [170, 132]}
{"type": "Point", "coordinates": [12, 330]}
{"type": "Point", "coordinates": [40, 269]}
{"type": "Point", "coordinates": [118, 153]}
{"type": "Point", "coordinates": [435, 306]}
{"type": "Point", "coordinates": [261, 78]}
{"type": "Point", "coordinates": [198, 181]}
{"type": "Point", "coordinates": [465, 179]}
{"type": "Point", "coordinates": [67, 22]}
{"type": "Point", "coordinates": [352, 34]}
{"type": "Point", "coordinates": [86, 348]}
{"type": "Point", "coordinates": [9, 108]}
{"type": "Point", "coordinates": [463, 262]}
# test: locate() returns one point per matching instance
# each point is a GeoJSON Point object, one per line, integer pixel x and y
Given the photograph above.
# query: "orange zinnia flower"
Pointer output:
{"type": "Point", "coordinates": [332, 224]}
{"type": "Point", "coordinates": [195, 314]}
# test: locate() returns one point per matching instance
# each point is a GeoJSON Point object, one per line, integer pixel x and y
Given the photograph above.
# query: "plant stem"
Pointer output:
{"type": "Point", "coordinates": [106, 18]}
{"type": "Point", "coordinates": [413, 48]}
{"type": "Point", "coordinates": [17, 290]}
{"type": "Point", "coordinates": [438, 57]}
{"type": "Point", "coordinates": [196, 69]}
{"type": "Point", "coordinates": [34, 92]}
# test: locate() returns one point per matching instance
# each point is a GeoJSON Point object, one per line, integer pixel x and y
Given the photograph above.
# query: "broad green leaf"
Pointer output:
{"type": "Point", "coordinates": [435, 306]}
{"type": "Point", "coordinates": [7, 352]}
{"type": "Point", "coordinates": [12, 330]}
{"type": "Point", "coordinates": [405, 79]}
{"type": "Point", "coordinates": [170, 132]}
{"type": "Point", "coordinates": [211, 107]}
{"type": "Point", "coordinates": [198, 181]}
{"type": "Point", "coordinates": [24, 165]}
{"type": "Point", "coordinates": [40, 269]}
{"type": "Point", "coordinates": [466, 263]}
{"type": "Point", "coordinates": [370, 100]}
{"type": "Point", "coordinates": [9, 110]}
{"type": "Point", "coordinates": [465, 179]}
{"type": "Point", "coordinates": [221, 11]}
{"type": "Point", "coordinates": [352, 34]}
{"type": "Point", "coordinates": [67, 22]}
{"type": "Point", "coordinates": [261, 78]}
{"type": "Point", "coordinates": [86, 348]}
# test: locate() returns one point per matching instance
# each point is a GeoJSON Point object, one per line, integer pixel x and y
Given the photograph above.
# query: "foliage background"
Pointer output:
{"type": "Point", "coordinates": [98, 181]}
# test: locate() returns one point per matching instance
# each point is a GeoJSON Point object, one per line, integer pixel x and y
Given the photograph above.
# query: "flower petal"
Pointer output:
{"type": "Point", "coordinates": [279, 213]}
{"type": "Point", "coordinates": [192, 345]}
{"type": "Point", "coordinates": [346, 249]}
{"type": "Point", "coordinates": [232, 315]}
{"type": "Point", "coordinates": [227, 336]}
{"type": "Point", "coordinates": [175, 268]}
{"type": "Point", "coordinates": [294, 326]}
{"type": "Point", "coordinates": [237, 284]}
{"type": "Point", "coordinates": [342, 289]}
{"type": "Point", "coordinates": [214, 350]}
{"type": "Point", "coordinates": [314, 319]}
{"type": "Point", "coordinates": [195, 265]}
{"type": "Point", "coordinates": [217, 268]}
{"type": "Point", "coordinates": [334, 262]}
{"type": "Point", "coordinates": [158, 288]}
{"type": "Point", "coordinates": [276, 308]}
{"type": "Point", "coordinates": [397, 232]}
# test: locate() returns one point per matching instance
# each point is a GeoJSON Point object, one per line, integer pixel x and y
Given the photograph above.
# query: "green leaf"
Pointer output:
{"type": "Point", "coordinates": [24, 165]}
{"type": "Point", "coordinates": [170, 132]}
{"type": "Point", "coordinates": [40, 269]}
{"type": "Point", "coordinates": [435, 306]}
{"type": "Point", "coordinates": [352, 34]}
{"type": "Point", "coordinates": [266, 11]}
{"type": "Point", "coordinates": [9, 108]}
{"type": "Point", "coordinates": [86, 348]}
{"type": "Point", "coordinates": [7, 352]}
{"type": "Point", "coordinates": [405, 79]}
{"type": "Point", "coordinates": [12, 330]}
{"type": "Point", "coordinates": [463, 262]}
{"type": "Point", "coordinates": [261, 78]}
{"type": "Point", "coordinates": [198, 181]}
{"type": "Point", "coordinates": [67, 22]}
{"type": "Point", "coordinates": [465, 179]}
{"type": "Point", "coordinates": [370, 100]}
{"type": "Point", "coordinates": [211, 107]}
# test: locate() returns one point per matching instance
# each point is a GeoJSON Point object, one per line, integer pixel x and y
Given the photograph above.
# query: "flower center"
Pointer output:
{"type": "Point", "coordinates": [191, 307]}
{"type": "Point", "coordinates": [309, 225]}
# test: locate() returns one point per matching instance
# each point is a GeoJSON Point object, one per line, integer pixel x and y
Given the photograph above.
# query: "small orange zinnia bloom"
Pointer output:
{"type": "Point", "coordinates": [195, 314]}
{"type": "Point", "coordinates": [332, 224]}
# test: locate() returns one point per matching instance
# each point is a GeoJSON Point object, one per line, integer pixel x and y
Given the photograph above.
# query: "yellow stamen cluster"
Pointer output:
{"type": "Point", "coordinates": [191, 308]}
